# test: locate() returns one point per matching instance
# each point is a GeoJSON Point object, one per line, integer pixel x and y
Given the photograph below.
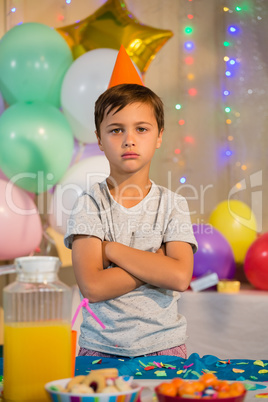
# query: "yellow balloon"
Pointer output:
{"type": "Point", "coordinates": [65, 255]}
{"type": "Point", "coordinates": [111, 26]}
{"type": "Point", "coordinates": [236, 221]}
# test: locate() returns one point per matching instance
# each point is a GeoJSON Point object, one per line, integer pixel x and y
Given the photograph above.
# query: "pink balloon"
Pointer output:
{"type": "Point", "coordinates": [20, 222]}
{"type": "Point", "coordinates": [3, 177]}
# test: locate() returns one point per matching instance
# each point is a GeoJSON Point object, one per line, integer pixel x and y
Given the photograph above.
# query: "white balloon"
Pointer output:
{"type": "Point", "coordinates": [86, 79]}
{"type": "Point", "coordinates": [80, 177]}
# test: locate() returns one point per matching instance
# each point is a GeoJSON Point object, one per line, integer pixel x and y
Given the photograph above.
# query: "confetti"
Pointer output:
{"type": "Point", "coordinates": [160, 373]}
{"type": "Point", "coordinates": [235, 370]}
{"type": "Point", "coordinates": [221, 364]}
{"type": "Point", "coordinates": [253, 387]}
{"type": "Point", "coordinates": [187, 373]}
{"type": "Point", "coordinates": [264, 371]}
{"type": "Point", "coordinates": [208, 371]}
{"type": "Point", "coordinates": [264, 395]}
{"type": "Point", "coordinates": [138, 373]}
{"type": "Point", "coordinates": [99, 361]}
{"type": "Point", "coordinates": [180, 372]}
{"type": "Point", "coordinates": [149, 368]}
{"type": "Point", "coordinates": [169, 366]}
{"type": "Point", "coordinates": [186, 367]}
{"type": "Point", "coordinates": [144, 365]}
{"type": "Point", "coordinates": [258, 363]}
{"type": "Point", "coordinates": [196, 373]}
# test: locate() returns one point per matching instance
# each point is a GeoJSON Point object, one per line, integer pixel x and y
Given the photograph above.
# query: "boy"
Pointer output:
{"type": "Point", "coordinates": [140, 231]}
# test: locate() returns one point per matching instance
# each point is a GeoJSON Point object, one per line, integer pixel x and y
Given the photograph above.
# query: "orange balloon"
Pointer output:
{"type": "Point", "coordinates": [111, 26]}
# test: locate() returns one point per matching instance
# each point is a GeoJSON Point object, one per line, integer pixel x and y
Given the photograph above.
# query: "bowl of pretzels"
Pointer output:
{"type": "Point", "coordinates": [104, 385]}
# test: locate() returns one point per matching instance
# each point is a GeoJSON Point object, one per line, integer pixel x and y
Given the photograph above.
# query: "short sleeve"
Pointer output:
{"type": "Point", "coordinates": [85, 219]}
{"type": "Point", "coordinates": [179, 227]}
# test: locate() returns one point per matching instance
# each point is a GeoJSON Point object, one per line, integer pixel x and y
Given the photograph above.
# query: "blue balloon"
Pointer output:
{"type": "Point", "coordinates": [214, 253]}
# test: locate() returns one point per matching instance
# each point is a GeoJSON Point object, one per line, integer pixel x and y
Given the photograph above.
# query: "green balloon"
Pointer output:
{"type": "Point", "coordinates": [33, 61]}
{"type": "Point", "coordinates": [36, 145]}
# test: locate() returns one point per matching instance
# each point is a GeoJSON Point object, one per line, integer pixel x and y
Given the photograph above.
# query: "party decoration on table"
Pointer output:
{"type": "Point", "coordinates": [262, 395]}
{"type": "Point", "coordinates": [36, 145]}
{"type": "Point", "coordinates": [256, 263]}
{"type": "Point", "coordinates": [124, 71]}
{"type": "Point", "coordinates": [84, 303]}
{"type": "Point", "coordinates": [174, 367]}
{"type": "Point", "coordinates": [111, 26]}
{"type": "Point", "coordinates": [236, 221]}
{"type": "Point", "coordinates": [21, 228]}
{"type": "Point", "coordinates": [78, 178]}
{"type": "Point", "coordinates": [33, 61]}
{"type": "Point", "coordinates": [87, 78]}
{"type": "Point", "coordinates": [204, 282]}
{"type": "Point", "coordinates": [214, 253]}
{"type": "Point", "coordinates": [227, 286]}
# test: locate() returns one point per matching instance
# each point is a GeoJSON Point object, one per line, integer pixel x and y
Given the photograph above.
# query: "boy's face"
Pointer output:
{"type": "Point", "coordinates": [129, 138]}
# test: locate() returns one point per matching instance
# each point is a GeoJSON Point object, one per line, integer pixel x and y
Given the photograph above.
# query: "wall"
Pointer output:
{"type": "Point", "coordinates": [210, 176]}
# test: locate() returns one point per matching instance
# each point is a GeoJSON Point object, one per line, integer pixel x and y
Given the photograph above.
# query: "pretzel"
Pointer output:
{"type": "Point", "coordinates": [74, 381]}
{"type": "Point", "coordinates": [96, 379]}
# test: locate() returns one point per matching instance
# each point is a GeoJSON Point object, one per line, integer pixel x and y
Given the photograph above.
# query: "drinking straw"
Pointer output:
{"type": "Point", "coordinates": [84, 303]}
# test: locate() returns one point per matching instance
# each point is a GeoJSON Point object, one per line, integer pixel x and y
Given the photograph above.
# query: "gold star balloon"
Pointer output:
{"type": "Point", "coordinates": [111, 26]}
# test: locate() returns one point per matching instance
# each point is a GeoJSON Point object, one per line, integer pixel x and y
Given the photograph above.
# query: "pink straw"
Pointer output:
{"type": "Point", "coordinates": [84, 303]}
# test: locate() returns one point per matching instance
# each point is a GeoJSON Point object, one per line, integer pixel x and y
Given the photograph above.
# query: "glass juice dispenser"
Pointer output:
{"type": "Point", "coordinates": [37, 329]}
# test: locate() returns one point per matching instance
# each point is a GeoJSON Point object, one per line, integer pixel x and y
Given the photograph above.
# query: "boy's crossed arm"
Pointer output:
{"type": "Point", "coordinates": [134, 267]}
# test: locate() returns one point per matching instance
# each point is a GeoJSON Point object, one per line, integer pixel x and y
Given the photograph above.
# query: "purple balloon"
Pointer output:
{"type": "Point", "coordinates": [82, 151]}
{"type": "Point", "coordinates": [214, 253]}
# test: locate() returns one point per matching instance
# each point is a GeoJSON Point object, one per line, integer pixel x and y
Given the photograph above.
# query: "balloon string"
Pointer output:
{"type": "Point", "coordinates": [81, 149]}
{"type": "Point", "coordinates": [84, 303]}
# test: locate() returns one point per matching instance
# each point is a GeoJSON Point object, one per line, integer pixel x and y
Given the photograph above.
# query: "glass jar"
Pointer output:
{"type": "Point", "coordinates": [37, 329]}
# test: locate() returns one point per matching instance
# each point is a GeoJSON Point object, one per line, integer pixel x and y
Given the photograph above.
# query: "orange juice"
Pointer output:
{"type": "Point", "coordinates": [34, 354]}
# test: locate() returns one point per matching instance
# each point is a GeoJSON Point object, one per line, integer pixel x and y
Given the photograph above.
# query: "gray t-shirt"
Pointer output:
{"type": "Point", "coordinates": [146, 319]}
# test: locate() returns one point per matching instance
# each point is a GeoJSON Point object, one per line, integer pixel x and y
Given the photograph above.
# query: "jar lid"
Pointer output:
{"type": "Point", "coordinates": [36, 269]}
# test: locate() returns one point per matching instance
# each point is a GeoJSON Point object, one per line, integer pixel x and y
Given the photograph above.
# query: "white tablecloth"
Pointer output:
{"type": "Point", "coordinates": [227, 325]}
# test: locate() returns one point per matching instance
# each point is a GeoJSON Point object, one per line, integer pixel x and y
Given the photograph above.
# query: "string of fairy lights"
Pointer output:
{"type": "Point", "coordinates": [11, 10]}
{"type": "Point", "coordinates": [189, 91]}
{"type": "Point", "coordinates": [232, 73]}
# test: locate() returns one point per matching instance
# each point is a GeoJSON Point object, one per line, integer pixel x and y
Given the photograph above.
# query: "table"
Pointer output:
{"type": "Point", "coordinates": [191, 368]}
{"type": "Point", "coordinates": [195, 365]}
{"type": "Point", "coordinates": [227, 325]}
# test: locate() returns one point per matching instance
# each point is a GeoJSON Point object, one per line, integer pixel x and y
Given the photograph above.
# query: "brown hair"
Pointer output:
{"type": "Point", "coordinates": [119, 96]}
